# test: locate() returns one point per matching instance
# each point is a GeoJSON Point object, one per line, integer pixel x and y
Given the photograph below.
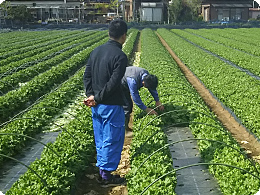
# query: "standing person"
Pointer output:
{"type": "Point", "coordinates": [134, 79]}
{"type": "Point", "coordinates": [102, 80]}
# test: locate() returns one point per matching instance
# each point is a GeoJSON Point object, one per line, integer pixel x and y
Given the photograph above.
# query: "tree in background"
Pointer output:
{"type": "Point", "coordinates": [175, 10]}
{"type": "Point", "coordinates": [6, 8]}
{"type": "Point", "coordinates": [17, 14]}
{"type": "Point", "coordinates": [20, 14]}
{"type": "Point", "coordinates": [195, 6]}
{"type": "Point", "coordinates": [114, 5]}
{"type": "Point", "coordinates": [184, 10]}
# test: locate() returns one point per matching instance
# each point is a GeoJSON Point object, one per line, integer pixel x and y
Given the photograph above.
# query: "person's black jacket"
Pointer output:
{"type": "Point", "coordinates": [104, 70]}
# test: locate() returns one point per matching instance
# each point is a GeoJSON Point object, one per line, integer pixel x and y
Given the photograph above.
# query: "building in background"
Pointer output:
{"type": "Point", "coordinates": [218, 10]}
{"type": "Point", "coordinates": [150, 11]}
{"type": "Point", "coordinates": [95, 11]}
{"type": "Point", "coordinates": [76, 11]}
{"type": "Point", "coordinates": [58, 10]}
{"type": "Point", "coordinates": [254, 13]}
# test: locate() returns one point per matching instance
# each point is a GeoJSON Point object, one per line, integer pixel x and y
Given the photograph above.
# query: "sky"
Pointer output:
{"type": "Point", "coordinates": [1, 1]}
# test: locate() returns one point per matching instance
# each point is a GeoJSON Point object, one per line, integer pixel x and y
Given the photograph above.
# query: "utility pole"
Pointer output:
{"type": "Point", "coordinates": [133, 10]}
{"type": "Point", "coordinates": [117, 9]}
{"type": "Point", "coordinates": [168, 10]}
{"type": "Point", "coordinates": [123, 4]}
{"type": "Point", "coordinates": [79, 14]}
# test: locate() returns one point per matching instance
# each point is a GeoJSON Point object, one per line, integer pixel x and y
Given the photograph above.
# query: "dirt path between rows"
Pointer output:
{"type": "Point", "coordinates": [243, 137]}
{"type": "Point", "coordinates": [88, 184]}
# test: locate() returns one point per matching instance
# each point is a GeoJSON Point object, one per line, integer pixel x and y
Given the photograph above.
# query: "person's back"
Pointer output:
{"type": "Point", "coordinates": [103, 60]}
{"type": "Point", "coordinates": [135, 73]}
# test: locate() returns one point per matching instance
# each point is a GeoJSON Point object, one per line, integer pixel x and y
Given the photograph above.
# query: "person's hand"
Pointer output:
{"type": "Point", "coordinates": [151, 111]}
{"type": "Point", "coordinates": [159, 105]}
{"type": "Point", "coordinates": [90, 102]}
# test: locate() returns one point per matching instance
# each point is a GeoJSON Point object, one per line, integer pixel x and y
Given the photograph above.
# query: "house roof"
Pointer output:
{"type": "Point", "coordinates": [235, 5]}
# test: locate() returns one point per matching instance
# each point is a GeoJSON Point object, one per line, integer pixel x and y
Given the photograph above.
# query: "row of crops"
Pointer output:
{"type": "Point", "coordinates": [151, 166]}
{"type": "Point", "coordinates": [37, 105]}
{"type": "Point", "coordinates": [41, 81]}
{"type": "Point", "coordinates": [235, 88]}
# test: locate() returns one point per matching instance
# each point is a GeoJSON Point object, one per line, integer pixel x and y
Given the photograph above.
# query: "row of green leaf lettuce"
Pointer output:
{"type": "Point", "coordinates": [13, 78]}
{"type": "Point", "coordinates": [231, 180]}
{"type": "Point", "coordinates": [234, 88]}
{"type": "Point", "coordinates": [183, 107]}
{"type": "Point", "coordinates": [37, 52]}
{"type": "Point", "coordinates": [23, 40]}
{"type": "Point", "coordinates": [75, 149]}
{"type": "Point", "coordinates": [33, 120]}
{"type": "Point", "coordinates": [16, 100]}
{"type": "Point", "coordinates": [140, 177]}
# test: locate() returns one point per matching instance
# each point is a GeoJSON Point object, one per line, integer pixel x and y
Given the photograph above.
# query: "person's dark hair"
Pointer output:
{"type": "Point", "coordinates": [117, 28]}
{"type": "Point", "coordinates": [150, 81]}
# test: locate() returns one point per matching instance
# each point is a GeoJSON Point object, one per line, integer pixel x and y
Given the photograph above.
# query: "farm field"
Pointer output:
{"type": "Point", "coordinates": [211, 87]}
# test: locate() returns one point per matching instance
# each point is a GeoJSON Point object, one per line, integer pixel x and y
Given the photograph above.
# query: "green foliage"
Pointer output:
{"type": "Point", "coordinates": [233, 87]}
{"type": "Point", "coordinates": [6, 8]}
{"type": "Point", "coordinates": [19, 13]}
{"type": "Point", "coordinates": [60, 172]}
{"type": "Point", "coordinates": [36, 119]}
{"type": "Point", "coordinates": [19, 99]}
{"type": "Point", "coordinates": [75, 145]}
{"type": "Point", "coordinates": [183, 11]}
{"type": "Point", "coordinates": [113, 4]}
{"type": "Point", "coordinates": [130, 42]}
{"type": "Point", "coordinates": [145, 127]}
{"type": "Point", "coordinates": [213, 152]}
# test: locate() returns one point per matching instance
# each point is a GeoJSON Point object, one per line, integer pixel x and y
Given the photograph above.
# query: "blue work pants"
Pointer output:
{"type": "Point", "coordinates": [109, 132]}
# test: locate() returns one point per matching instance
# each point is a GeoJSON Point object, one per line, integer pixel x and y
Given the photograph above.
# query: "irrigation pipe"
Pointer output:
{"type": "Point", "coordinates": [7, 84]}
{"type": "Point", "coordinates": [32, 139]}
{"type": "Point", "coordinates": [53, 90]}
{"type": "Point", "coordinates": [185, 103]}
{"type": "Point", "coordinates": [175, 111]}
{"type": "Point", "coordinates": [180, 94]}
{"type": "Point", "coordinates": [192, 165]}
{"type": "Point", "coordinates": [43, 181]}
{"type": "Point", "coordinates": [196, 139]}
{"type": "Point", "coordinates": [174, 125]}
{"type": "Point", "coordinates": [49, 107]}
{"type": "Point", "coordinates": [54, 124]}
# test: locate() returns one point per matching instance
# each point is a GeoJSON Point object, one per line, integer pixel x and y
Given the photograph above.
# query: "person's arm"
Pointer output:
{"type": "Point", "coordinates": [136, 97]}
{"type": "Point", "coordinates": [135, 93]}
{"type": "Point", "coordinates": [114, 81]}
{"type": "Point", "coordinates": [87, 79]}
{"type": "Point", "coordinates": [153, 92]}
{"type": "Point", "coordinates": [155, 95]}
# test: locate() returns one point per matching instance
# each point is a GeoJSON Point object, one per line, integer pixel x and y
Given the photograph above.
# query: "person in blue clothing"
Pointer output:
{"type": "Point", "coordinates": [134, 79]}
{"type": "Point", "coordinates": [102, 81]}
